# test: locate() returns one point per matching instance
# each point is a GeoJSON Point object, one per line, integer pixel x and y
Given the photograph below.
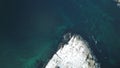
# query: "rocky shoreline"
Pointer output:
{"type": "Point", "coordinates": [75, 54]}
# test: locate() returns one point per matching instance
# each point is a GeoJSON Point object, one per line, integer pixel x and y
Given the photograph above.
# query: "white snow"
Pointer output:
{"type": "Point", "coordinates": [75, 54]}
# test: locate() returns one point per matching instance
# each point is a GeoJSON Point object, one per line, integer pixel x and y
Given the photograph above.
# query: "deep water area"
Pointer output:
{"type": "Point", "coordinates": [31, 30]}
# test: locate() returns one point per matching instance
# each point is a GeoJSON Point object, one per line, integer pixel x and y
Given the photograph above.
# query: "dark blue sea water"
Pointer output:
{"type": "Point", "coordinates": [31, 30]}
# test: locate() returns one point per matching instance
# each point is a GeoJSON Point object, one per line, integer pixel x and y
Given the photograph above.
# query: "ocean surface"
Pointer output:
{"type": "Point", "coordinates": [31, 30]}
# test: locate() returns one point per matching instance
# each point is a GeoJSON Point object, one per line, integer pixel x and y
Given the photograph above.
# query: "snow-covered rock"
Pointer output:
{"type": "Point", "coordinates": [74, 54]}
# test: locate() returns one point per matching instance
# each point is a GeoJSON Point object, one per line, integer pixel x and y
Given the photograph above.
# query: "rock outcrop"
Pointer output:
{"type": "Point", "coordinates": [74, 54]}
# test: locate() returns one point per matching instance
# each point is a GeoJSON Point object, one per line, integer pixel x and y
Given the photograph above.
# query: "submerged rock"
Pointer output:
{"type": "Point", "coordinates": [118, 2]}
{"type": "Point", "coordinates": [75, 54]}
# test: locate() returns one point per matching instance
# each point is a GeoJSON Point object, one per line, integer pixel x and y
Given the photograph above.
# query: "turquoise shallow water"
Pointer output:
{"type": "Point", "coordinates": [32, 30]}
